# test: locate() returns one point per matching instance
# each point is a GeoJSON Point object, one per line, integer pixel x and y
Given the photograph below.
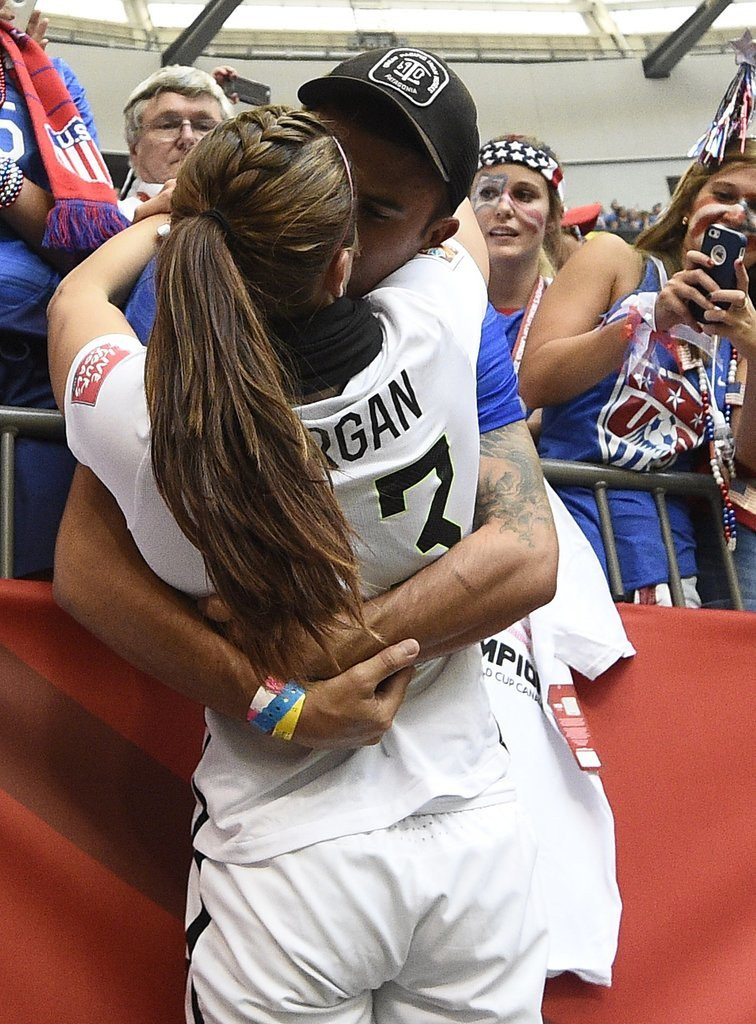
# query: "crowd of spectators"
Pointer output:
{"type": "Point", "coordinates": [627, 221]}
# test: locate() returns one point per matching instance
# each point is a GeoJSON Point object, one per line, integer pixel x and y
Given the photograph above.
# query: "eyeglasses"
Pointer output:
{"type": "Point", "coordinates": [168, 129]}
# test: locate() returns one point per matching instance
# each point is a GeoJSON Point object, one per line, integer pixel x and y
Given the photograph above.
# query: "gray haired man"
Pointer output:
{"type": "Point", "coordinates": [164, 118]}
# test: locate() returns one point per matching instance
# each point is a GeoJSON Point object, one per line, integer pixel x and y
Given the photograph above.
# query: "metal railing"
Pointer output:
{"type": "Point", "coordinates": [601, 479]}
{"type": "Point", "coordinates": [48, 425]}
{"type": "Point", "coordinates": [42, 424]}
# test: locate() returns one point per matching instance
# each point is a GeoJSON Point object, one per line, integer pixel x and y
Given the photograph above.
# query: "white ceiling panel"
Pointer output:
{"type": "Point", "coordinates": [506, 30]}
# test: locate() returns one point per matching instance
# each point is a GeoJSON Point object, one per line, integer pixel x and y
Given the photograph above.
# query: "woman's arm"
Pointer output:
{"type": "Point", "coordinates": [85, 305]}
{"type": "Point", "coordinates": [471, 237]}
{"type": "Point", "coordinates": [565, 354]}
{"type": "Point", "coordinates": [103, 582]}
{"type": "Point", "coordinates": [28, 215]}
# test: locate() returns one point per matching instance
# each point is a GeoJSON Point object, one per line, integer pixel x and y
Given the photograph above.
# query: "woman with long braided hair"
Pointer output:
{"type": "Point", "coordinates": [244, 479]}
{"type": "Point", "coordinates": [296, 451]}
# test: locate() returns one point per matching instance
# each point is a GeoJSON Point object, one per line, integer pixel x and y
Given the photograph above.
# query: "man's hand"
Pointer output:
{"type": "Point", "coordinates": [37, 29]}
{"type": "Point", "coordinates": [356, 708]}
{"type": "Point", "coordinates": [223, 75]}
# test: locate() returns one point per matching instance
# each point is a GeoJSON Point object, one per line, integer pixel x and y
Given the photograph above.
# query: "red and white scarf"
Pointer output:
{"type": "Point", "coordinates": [84, 212]}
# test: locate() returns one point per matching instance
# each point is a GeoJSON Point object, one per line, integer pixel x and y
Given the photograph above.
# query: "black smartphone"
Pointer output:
{"type": "Point", "coordinates": [253, 93]}
{"type": "Point", "coordinates": [724, 246]}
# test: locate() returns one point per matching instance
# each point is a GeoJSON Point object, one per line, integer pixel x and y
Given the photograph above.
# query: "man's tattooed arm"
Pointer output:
{"type": "Point", "coordinates": [490, 579]}
{"type": "Point", "coordinates": [510, 488]}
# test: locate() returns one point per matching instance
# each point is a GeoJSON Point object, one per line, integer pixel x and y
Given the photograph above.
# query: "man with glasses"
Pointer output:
{"type": "Point", "coordinates": [164, 118]}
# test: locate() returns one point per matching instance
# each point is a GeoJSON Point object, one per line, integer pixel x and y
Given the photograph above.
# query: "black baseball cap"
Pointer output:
{"type": "Point", "coordinates": [426, 92]}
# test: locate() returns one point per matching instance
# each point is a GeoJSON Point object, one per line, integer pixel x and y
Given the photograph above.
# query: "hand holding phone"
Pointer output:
{"type": "Point", "coordinates": [21, 9]}
{"type": "Point", "coordinates": [244, 90]}
{"type": "Point", "coordinates": [723, 246]}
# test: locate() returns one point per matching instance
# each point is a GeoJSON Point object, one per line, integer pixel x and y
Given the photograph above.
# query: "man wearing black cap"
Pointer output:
{"type": "Point", "coordinates": [385, 106]}
{"type": "Point", "coordinates": [408, 125]}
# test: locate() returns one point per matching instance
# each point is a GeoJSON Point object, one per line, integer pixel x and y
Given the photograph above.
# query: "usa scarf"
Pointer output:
{"type": "Point", "coordinates": [84, 212]}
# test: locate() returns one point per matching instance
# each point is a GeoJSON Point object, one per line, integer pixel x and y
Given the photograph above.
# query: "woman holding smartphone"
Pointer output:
{"type": "Point", "coordinates": [619, 388]}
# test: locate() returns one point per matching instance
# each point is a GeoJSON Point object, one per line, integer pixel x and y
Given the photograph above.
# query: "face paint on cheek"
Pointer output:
{"type": "Point", "coordinates": [748, 226]}
{"type": "Point", "coordinates": [488, 190]}
{"type": "Point", "coordinates": [531, 218]}
{"type": "Point", "coordinates": [702, 218]}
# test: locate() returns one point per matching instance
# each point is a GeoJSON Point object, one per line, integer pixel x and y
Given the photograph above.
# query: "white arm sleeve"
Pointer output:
{"type": "Point", "coordinates": [107, 425]}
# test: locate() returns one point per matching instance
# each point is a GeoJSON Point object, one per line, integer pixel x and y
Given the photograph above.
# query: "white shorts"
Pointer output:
{"type": "Point", "coordinates": [436, 919]}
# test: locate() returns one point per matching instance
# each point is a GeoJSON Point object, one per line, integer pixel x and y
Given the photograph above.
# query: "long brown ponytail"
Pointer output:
{"type": "Point", "coordinates": [260, 207]}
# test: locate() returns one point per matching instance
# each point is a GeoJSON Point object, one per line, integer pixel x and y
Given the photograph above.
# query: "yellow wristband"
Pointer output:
{"type": "Point", "coordinates": [284, 728]}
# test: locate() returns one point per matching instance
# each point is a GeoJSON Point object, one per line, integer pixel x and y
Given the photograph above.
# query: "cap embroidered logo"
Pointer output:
{"type": "Point", "coordinates": [430, 96]}
{"type": "Point", "coordinates": [417, 75]}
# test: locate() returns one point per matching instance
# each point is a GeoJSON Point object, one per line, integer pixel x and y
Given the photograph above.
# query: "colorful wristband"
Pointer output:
{"type": "Point", "coordinates": [276, 707]}
{"type": "Point", "coordinates": [11, 182]}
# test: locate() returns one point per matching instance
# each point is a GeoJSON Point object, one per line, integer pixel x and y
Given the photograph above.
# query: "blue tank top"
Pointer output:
{"type": "Point", "coordinates": [651, 420]}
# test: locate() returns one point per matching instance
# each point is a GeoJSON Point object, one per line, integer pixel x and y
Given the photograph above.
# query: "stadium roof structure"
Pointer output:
{"type": "Point", "coordinates": [659, 32]}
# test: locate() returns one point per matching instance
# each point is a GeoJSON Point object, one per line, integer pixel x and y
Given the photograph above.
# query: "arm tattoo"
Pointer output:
{"type": "Point", "coordinates": [511, 490]}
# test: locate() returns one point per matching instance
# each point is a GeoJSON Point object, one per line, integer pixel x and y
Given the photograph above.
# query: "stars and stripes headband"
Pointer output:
{"type": "Point", "coordinates": [516, 151]}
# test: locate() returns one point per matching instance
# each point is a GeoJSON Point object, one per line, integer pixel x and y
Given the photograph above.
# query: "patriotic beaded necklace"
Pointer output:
{"type": "Point", "coordinates": [731, 120]}
{"type": "Point", "coordinates": [718, 434]}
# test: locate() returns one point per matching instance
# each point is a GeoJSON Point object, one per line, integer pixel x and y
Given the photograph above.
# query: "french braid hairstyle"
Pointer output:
{"type": "Point", "coordinates": [261, 206]}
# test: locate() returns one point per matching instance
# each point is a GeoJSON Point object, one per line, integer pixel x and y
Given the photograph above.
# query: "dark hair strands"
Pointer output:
{"type": "Point", "coordinates": [240, 473]}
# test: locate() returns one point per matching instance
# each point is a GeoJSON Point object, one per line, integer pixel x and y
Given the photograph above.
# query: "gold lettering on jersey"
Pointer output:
{"type": "Point", "coordinates": [384, 416]}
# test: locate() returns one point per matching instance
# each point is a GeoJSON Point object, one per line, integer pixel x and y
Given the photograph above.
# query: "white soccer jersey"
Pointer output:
{"type": "Point", "coordinates": [403, 438]}
{"type": "Point", "coordinates": [581, 629]}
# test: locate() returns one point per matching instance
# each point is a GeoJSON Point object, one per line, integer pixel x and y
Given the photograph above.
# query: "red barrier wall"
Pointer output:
{"type": "Point", "coordinates": [674, 727]}
{"type": "Point", "coordinates": [94, 762]}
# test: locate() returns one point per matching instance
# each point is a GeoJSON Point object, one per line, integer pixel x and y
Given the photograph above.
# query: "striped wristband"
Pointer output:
{"type": "Point", "coordinates": [276, 707]}
{"type": "Point", "coordinates": [11, 181]}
